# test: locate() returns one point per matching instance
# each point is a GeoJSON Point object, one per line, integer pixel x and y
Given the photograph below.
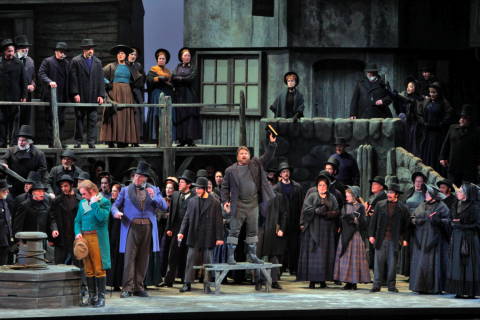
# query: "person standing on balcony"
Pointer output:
{"type": "Point", "coordinates": [86, 86]}
{"type": "Point", "coordinates": [289, 104]}
{"type": "Point", "coordinates": [22, 47]}
{"type": "Point", "coordinates": [138, 90]}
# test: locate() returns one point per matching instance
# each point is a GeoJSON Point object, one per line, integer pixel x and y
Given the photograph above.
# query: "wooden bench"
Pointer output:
{"type": "Point", "coordinates": [221, 270]}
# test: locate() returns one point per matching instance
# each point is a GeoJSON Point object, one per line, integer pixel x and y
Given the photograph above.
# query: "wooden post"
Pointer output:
{"type": "Point", "coordinates": [56, 126]}
{"type": "Point", "coordinates": [243, 127]}
{"type": "Point", "coordinates": [161, 103]}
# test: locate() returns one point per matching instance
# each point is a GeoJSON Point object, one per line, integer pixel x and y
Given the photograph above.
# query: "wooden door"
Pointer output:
{"type": "Point", "coordinates": [333, 85]}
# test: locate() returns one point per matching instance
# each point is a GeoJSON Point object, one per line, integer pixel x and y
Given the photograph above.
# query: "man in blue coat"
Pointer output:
{"type": "Point", "coordinates": [138, 233]}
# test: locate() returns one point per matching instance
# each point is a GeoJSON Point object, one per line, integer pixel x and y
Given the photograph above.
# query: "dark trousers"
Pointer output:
{"type": "Point", "coordinates": [137, 253]}
{"type": "Point", "coordinates": [61, 123]}
{"type": "Point", "coordinates": [386, 259]}
{"type": "Point", "coordinates": [250, 217]}
{"type": "Point", "coordinates": [177, 257]}
{"type": "Point", "coordinates": [193, 255]}
{"type": "Point", "coordinates": [290, 260]}
{"type": "Point", "coordinates": [91, 121]}
{"type": "Point", "coordinates": [9, 124]}
{"type": "Point", "coordinates": [4, 252]}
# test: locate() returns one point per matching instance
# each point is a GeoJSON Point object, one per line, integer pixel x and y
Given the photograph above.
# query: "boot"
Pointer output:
{"type": "Point", "coordinates": [92, 291]}
{"type": "Point", "coordinates": [186, 287]}
{"type": "Point", "coordinates": [101, 292]}
{"type": "Point", "coordinates": [252, 253]}
{"type": "Point", "coordinates": [84, 297]}
{"type": "Point", "coordinates": [231, 253]}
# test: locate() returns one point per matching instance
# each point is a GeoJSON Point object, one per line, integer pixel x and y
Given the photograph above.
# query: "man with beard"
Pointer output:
{"type": "Point", "coordinates": [67, 167]}
{"type": "Point", "coordinates": [24, 158]}
{"type": "Point", "coordinates": [293, 199]}
{"type": "Point", "coordinates": [6, 230]}
{"type": "Point", "coordinates": [178, 250]}
{"type": "Point", "coordinates": [54, 73]}
{"type": "Point", "coordinates": [13, 87]}
{"type": "Point", "coordinates": [204, 223]}
{"type": "Point", "coordinates": [347, 173]}
{"type": "Point", "coordinates": [22, 47]}
{"type": "Point", "coordinates": [86, 85]}
{"type": "Point", "coordinates": [244, 186]}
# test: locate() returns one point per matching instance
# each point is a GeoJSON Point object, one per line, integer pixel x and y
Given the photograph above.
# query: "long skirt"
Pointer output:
{"type": "Point", "coordinates": [316, 263]}
{"type": "Point", "coordinates": [120, 126]}
{"type": "Point", "coordinates": [352, 266]}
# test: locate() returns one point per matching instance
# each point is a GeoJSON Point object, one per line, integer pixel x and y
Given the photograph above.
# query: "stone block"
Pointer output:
{"type": "Point", "coordinates": [388, 127]}
{"type": "Point", "coordinates": [322, 151]}
{"type": "Point", "coordinates": [375, 129]}
{"type": "Point", "coordinates": [344, 129]}
{"type": "Point", "coordinates": [360, 130]}
{"type": "Point", "coordinates": [294, 129]}
{"type": "Point", "coordinates": [323, 129]}
{"type": "Point", "coordinates": [283, 126]}
{"type": "Point", "coordinates": [308, 129]}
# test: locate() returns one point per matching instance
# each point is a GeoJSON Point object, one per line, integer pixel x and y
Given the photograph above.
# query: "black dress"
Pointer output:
{"type": "Point", "coordinates": [115, 274]}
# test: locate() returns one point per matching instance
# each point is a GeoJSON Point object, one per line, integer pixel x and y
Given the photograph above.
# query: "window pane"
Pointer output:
{"type": "Point", "coordinates": [208, 70]}
{"type": "Point", "coordinates": [252, 97]}
{"type": "Point", "coordinates": [222, 70]}
{"type": "Point", "coordinates": [221, 94]}
{"type": "Point", "coordinates": [208, 94]}
{"type": "Point", "coordinates": [237, 93]}
{"type": "Point", "coordinates": [252, 70]}
{"type": "Point", "coordinates": [240, 71]}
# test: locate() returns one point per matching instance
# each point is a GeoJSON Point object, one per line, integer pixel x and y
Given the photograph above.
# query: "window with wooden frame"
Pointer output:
{"type": "Point", "coordinates": [222, 78]}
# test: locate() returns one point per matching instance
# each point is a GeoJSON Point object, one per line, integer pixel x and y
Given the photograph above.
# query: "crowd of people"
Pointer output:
{"type": "Point", "coordinates": [83, 79]}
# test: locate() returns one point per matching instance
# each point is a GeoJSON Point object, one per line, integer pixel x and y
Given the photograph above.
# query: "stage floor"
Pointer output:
{"type": "Point", "coordinates": [243, 302]}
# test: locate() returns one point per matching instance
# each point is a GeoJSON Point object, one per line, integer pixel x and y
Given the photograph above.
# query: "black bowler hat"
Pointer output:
{"type": "Point", "coordinates": [378, 179]}
{"type": "Point", "coordinates": [467, 111]}
{"type": "Point", "coordinates": [341, 141]}
{"type": "Point", "coordinates": [201, 182]}
{"type": "Point", "coordinates": [188, 176]}
{"type": "Point", "coordinates": [182, 51]}
{"type": "Point", "coordinates": [291, 73]}
{"type": "Point", "coordinates": [446, 182]}
{"type": "Point", "coordinates": [4, 185]}
{"type": "Point", "coordinates": [65, 178]}
{"type": "Point", "coordinates": [61, 46]}
{"type": "Point", "coordinates": [165, 52]}
{"type": "Point", "coordinates": [83, 176]}
{"type": "Point", "coordinates": [419, 174]}
{"type": "Point", "coordinates": [38, 185]}
{"type": "Point", "coordinates": [333, 162]}
{"type": "Point", "coordinates": [395, 187]}
{"type": "Point", "coordinates": [272, 169]}
{"type": "Point", "coordinates": [32, 177]}
{"type": "Point", "coordinates": [284, 165]}
{"type": "Point", "coordinates": [121, 47]}
{"type": "Point", "coordinates": [143, 168]}
{"type": "Point", "coordinates": [6, 42]}
{"type": "Point", "coordinates": [21, 41]}
{"type": "Point", "coordinates": [371, 67]}
{"type": "Point", "coordinates": [25, 131]}
{"type": "Point", "coordinates": [68, 154]}
{"type": "Point", "coordinates": [87, 43]}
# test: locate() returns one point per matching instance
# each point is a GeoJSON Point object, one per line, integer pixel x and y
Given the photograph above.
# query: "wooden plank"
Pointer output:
{"type": "Point", "coordinates": [185, 163]}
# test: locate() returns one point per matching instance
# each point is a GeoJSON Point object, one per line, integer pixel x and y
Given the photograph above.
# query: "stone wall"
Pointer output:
{"type": "Point", "coordinates": [308, 143]}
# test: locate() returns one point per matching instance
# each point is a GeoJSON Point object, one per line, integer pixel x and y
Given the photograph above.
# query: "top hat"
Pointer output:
{"type": "Point", "coordinates": [120, 47]}
{"type": "Point", "coordinates": [61, 46]}
{"type": "Point", "coordinates": [181, 51]}
{"type": "Point", "coordinates": [378, 179]}
{"type": "Point", "coordinates": [83, 176]}
{"type": "Point", "coordinates": [202, 173]}
{"type": "Point", "coordinates": [284, 165]}
{"type": "Point", "coordinates": [188, 176]}
{"type": "Point", "coordinates": [6, 42]}
{"type": "Point", "coordinates": [21, 41]}
{"type": "Point", "coordinates": [65, 178]}
{"type": "Point", "coordinates": [341, 141]}
{"type": "Point", "coordinates": [143, 168]}
{"type": "Point", "coordinates": [419, 174]}
{"type": "Point", "coordinates": [67, 153]}
{"type": "Point", "coordinates": [38, 185]}
{"type": "Point", "coordinates": [201, 182]}
{"type": "Point", "coordinates": [25, 131]}
{"type": "Point", "coordinates": [395, 187]}
{"type": "Point", "coordinates": [333, 161]}
{"type": "Point", "coordinates": [32, 177]}
{"type": "Point", "coordinates": [164, 51]}
{"type": "Point", "coordinates": [297, 80]}
{"type": "Point", "coordinates": [467, 111]}
{"type": "Point", "coordinates": [371, 67]}
{"type": "Point", "coordinates": [446, 182]}
{"type": "Point", "coordinates": [87, 43]}
{"type": "Point", "coordinates": [4, 185]}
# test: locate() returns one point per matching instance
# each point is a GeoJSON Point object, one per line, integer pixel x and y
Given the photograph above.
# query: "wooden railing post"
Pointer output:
{"type": "Point", "coordinates": [161, 104]}
{"type": "Point", "coordinates": [57, 143]}
{"type": "Point", "coordinates": [242, 120]}
{"type": "Point", "coordinates": [165, 122]}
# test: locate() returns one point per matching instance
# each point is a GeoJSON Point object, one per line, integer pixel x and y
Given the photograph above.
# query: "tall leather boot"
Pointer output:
{"type": "Point", "coordinates": [231, 253]}
{"type": "Point", "coordinates": [84, 299]}
{"type": "Point", "coordinates": [101, 283]}
{"type": "Point", "coordinates": [92, 291]}
{"type": "Point", "coordinates": [252, 253]}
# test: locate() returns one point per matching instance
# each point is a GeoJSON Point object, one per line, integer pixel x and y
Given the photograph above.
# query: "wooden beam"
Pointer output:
{"type": "Point", "coordinates": [185, 163]}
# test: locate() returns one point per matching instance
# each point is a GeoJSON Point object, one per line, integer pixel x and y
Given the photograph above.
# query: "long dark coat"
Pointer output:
{"type": "Point", "coordinates": [279, 106]}
{"type": "Point", "coordinates": [318, 245]}
{"type": "Point", "coordinates": [29, 67]}
{"type": "Point", "coordinates": [13, 81]}
{"type": "Point", "coordinates": [363, 100]}
{"type": "Point", "coordinates": [187, 120]}
{"type": "Point", "coordinates": [204, 223]}
{"type": "Point", "coordinates": [430, 248]}
{"type": "Point", "coordinates": [407, 104]}
{"type": "Point", "coordinates": [115, 274]}
{"type": "Point", "coordinates": [56, 174]}
{"type": "Point", "coordinates": [461, 148]}
{"type": "Point", "coordinates": [22, 162]}
{"type": "Point", "coordinates": [273, 217]}
{"type": "Point", "coordinates": [230, 189]}
{"type": "Point", "coordinates": [34, 216]}
{"type": "Point", "coordinates": [52, 69]}
{"type": "Point", "coordinates": [89, 84]}
{"type": "Point", "coordinates": [62, 218]}
{"type": "Point", "coordinates": [6, 230]}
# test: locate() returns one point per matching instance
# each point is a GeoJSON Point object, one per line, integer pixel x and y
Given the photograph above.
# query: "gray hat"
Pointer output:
{"type": "Point", "coordinates": [67, 153]}
{"type": "Point", "coordinates": [61, 46]}
{"type": "Point", "coordinates": [371, 67]}
{"type": "Point", "coordinates": [355, 190]}
{"type": "Point", "coordinates": [87, 43]}
{"type": "Point", "coordinates": [4, 185]}
{"type": "Point", "coordinates": [201, 182]}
